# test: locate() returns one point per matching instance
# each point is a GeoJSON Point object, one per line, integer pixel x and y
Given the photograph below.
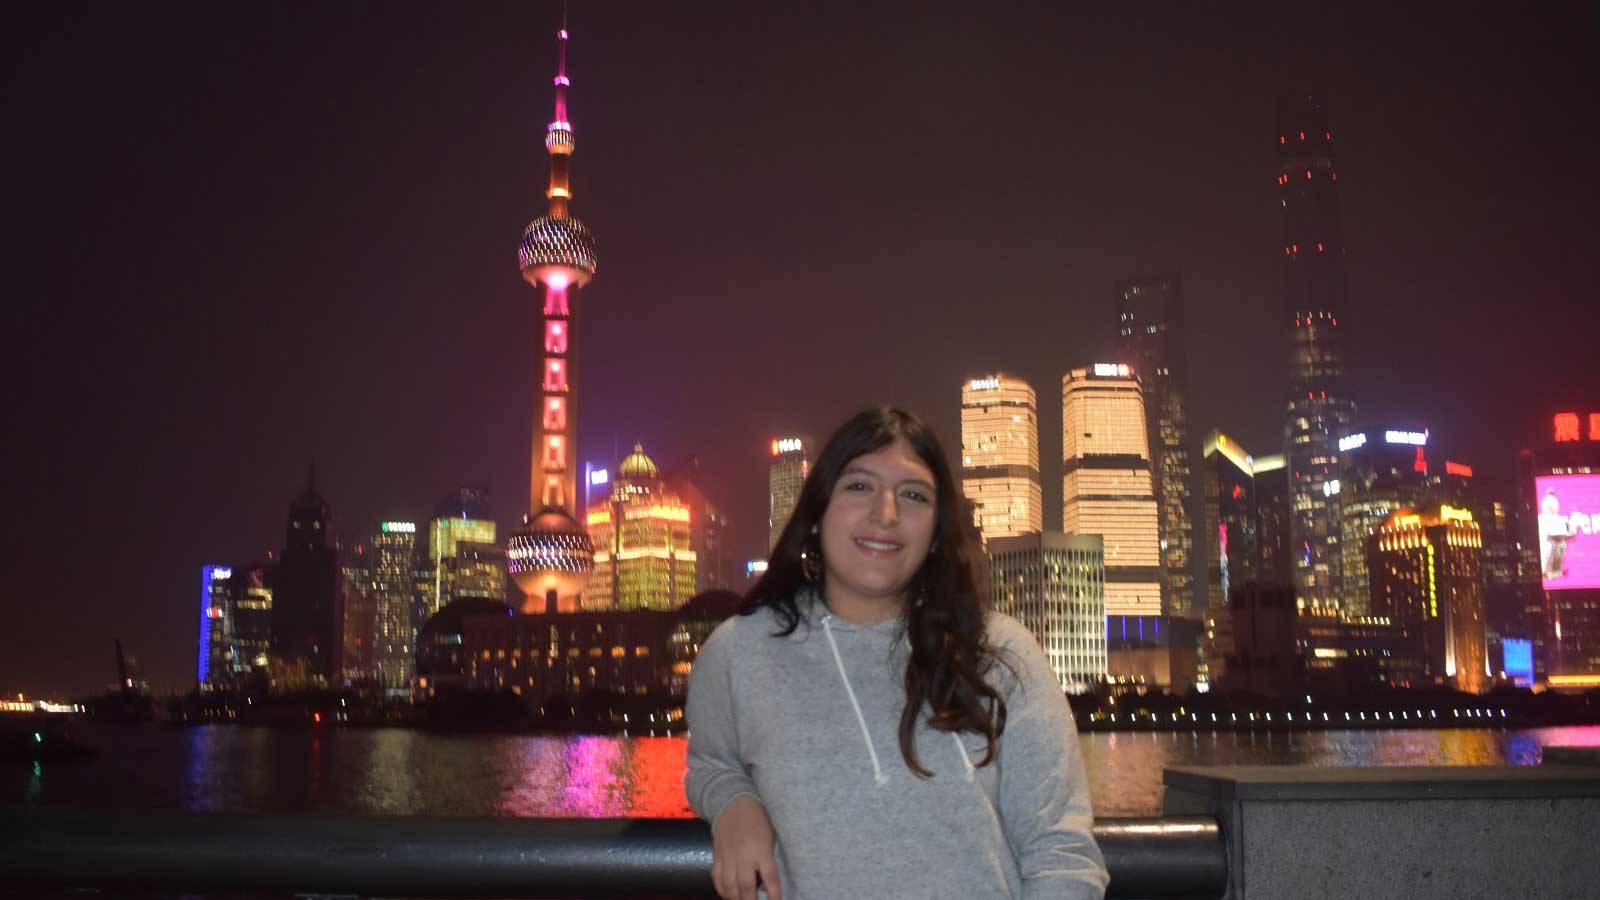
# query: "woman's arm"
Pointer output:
{"type": "Point", "coordinates": [717, 772]}
{"type": "Point", "coordinates": [718, 784]}
{"type": "Point", "coordinates": [1044, 793]}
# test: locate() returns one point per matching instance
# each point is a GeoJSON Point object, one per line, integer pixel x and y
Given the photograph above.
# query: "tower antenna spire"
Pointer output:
{"type": "Point", "coordinates": [551, 555]}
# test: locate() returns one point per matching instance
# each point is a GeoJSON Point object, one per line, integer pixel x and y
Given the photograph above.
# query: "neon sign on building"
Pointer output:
{"type": "Point", "coordinates": [1417, 438]}
{"type": "Point", "coordinates": [1568, 427]}
{"type": "Point", "coordinates": [1351, 442]}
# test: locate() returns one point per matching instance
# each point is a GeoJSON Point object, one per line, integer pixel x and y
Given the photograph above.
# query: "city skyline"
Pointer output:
{"type": "Point", "coordinates": [264, 283]}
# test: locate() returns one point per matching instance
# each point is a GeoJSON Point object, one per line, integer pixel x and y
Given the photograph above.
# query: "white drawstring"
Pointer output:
{"type": "Point", "coordinates": [866, 736]}
{"type": "Point", "coordinates": [965, 759]}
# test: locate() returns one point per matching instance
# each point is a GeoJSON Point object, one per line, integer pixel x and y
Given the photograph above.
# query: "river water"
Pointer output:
{"type": "Point", "coordinates": [402, 772]}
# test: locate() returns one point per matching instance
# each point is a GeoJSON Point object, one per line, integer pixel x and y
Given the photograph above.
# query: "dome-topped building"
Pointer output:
{"type": "Point", "coordinates": [550, 555]}
{"type": "Point", "coordinates": [644, 550]}
{"type": "Point", "coordinates": [637, 465]}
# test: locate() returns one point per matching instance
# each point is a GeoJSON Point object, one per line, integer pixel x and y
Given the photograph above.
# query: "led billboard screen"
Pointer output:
{"type": "Point", "coordinates": [1569, 547]}
{"type": "Point", "coordinates": [1519, 661]}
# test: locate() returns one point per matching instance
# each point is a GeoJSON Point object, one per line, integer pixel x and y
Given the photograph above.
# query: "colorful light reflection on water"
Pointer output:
{"type": "Point", "coordinates": [400, 772]}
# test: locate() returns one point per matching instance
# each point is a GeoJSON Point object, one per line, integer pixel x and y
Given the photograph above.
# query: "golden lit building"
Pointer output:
{"type": "Point", "coordinates": [394, 550]}
{"type": "Point", "coordinates": [1000, 455]}
{"type": "Point", "coordinates": [644, 556]}
{"type": "Point", "coordinates": [463, 558]}
{"type": "Point", "coordinates": [1426, 570]}
{"type": "Point", "coordinates": [1106, 485]}
{"type": "Point", "coordinates": [785, 477]}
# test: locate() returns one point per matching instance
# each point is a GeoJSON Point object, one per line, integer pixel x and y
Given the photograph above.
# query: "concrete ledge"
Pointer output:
{"type": "Point", "coordinates": [1405, 831]}
{"type": "Point", "coordinates": [1572, 756]}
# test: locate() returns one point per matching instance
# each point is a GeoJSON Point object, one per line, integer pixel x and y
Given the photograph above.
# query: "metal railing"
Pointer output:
{"type": "Point", "coordinates": [374, 856]}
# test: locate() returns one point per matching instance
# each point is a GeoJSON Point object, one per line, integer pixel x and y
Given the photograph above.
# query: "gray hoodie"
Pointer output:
{"type": "Point", "coordinates": [808, 725]}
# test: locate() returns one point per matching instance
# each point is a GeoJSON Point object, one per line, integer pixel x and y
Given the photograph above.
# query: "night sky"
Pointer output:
{"type": "Point", "coordinates": [255, 235]}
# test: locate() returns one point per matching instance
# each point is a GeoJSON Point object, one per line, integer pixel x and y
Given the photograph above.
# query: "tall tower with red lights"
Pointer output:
{"type": "Point", "coordinates": [551, 555]}
{"type": "Point", "coordinates": [1319, 410]}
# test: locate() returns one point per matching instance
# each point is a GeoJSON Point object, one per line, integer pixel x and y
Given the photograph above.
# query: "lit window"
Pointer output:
{"type": "Point", "coordinates": [555, 336]}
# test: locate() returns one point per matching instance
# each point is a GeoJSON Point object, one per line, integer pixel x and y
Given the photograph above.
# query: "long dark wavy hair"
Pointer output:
{"type": "Point", "coordinates": [950, 653]}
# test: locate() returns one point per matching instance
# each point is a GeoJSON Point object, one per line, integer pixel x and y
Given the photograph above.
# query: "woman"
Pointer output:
{"type": "Point", "coordinates": [866, 727]}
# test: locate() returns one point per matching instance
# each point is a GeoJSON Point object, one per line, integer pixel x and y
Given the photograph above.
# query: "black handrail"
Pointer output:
{"type": "Point", "coordinates": [416, 856]}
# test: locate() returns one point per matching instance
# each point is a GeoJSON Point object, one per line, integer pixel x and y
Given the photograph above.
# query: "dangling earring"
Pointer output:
{"type": "Point", "coordinates": [811, 559]}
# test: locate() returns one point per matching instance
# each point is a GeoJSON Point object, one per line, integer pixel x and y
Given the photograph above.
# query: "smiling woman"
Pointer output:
{"type": "Point", "coordinates": [867, 726]}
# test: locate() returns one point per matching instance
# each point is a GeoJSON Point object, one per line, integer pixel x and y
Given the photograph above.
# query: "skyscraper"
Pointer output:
{"type": "Point", "coordinates": [1272, 519]}
{"type": "Point", "coordinates": [463, 558]}
{"type": "Point", "coordinates": [1230, 519]}
{"type": "Point", "coordinates": [1381, 469]}
{"type": "Point", "coordinates": [307, 623]}
{"type": "Point", "coordinates": [250, 596]}
{"type": "Point", "coordinates": [215, 635]}
{"type": "Point", "coordinates": [357, 611]}
{"type": "Point", "coordinates": [1427, 577]}
{"type": "Point", "coordinates": [1150, 336]}
{"type": "Point", "coordinates": [1319, 410]}
{"type": "Point", "coordinates": [1000, 454]}
{"type": "Point", "coordinates": [708, 526]}
{"type": "Point", "coordinates": [1054, 584]}
{"type": "Point", "coordinates": [785, 477]}
{"type": "Point", "coordinates": [644, 551]}
{"type": "Point", "coordinates": [1106, 484]}
{"type": "Point", "coordinates": [394, 550]}
{"type": "Point", "coordinates": [550, 554]}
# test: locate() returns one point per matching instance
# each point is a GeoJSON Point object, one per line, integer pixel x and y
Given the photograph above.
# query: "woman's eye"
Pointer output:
{"type": "Point", "coordinates": [855, 486]}
{"type": "Point", "coordinates": [917, 496]}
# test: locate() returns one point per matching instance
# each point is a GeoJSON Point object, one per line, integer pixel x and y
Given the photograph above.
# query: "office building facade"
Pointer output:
{"type": "Point", "coordinates": [1000, 455]}
{"type": "Point", "coordinates": [1107, 485]}
{"type": "Point", "coordinates": [1054, 584]}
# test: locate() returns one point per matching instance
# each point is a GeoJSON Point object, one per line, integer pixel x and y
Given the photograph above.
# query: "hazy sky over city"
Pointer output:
{"type": "Point", "coordinates": [251, 236]}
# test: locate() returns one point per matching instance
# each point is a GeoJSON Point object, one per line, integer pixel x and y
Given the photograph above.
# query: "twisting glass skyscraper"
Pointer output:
{"type": "Point", "coordinates": [551, 555]}
{"type": "Point", "coordinates": [1319, 409]}
{"type": "Point", "coordinates": [1150, 337]}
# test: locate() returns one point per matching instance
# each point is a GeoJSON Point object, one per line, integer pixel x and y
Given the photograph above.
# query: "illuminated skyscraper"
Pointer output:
{"type": "Point", "coordinates": [1427, 577]}
{"type": "Point", "coordinates": [644, 552]}
{"type": "Point", "coordinates": [215, 634]}
{"type": "Point", "coordinates": [1054, 584]}
{"type": "Point", "coordinates": [1000, 455]}
{"type": "Point", "coordinates": [1229, 519]}
{"type": "Point", "coordinates": [1150, 336]}
{"type": "Point", "coordinates": [550, 554]}
{"type": "Point", "coordinates": [1106, 485]}
{"type": "Point", "coordinates": [394, 550]}
{"type": "Point", "coordinates": [1381, 470]}
{"type": "Point", "coordinates": [463, 558]}
{"type": "Point", "coordinates": [1319, 410]}
{"type": "Point", "coordinates": [785, 477]}
{"type": "Point", "coordinates": [250, 596]}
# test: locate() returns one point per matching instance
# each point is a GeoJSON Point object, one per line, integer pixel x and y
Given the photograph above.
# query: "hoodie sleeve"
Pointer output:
{"type": "Point", "coordinates": [716, 771]}
{"type": "Point", "coordinates": [1043, 792]}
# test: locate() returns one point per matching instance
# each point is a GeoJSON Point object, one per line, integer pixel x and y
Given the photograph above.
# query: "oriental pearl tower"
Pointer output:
{"type": "Point", "coordinates": [551, 555]}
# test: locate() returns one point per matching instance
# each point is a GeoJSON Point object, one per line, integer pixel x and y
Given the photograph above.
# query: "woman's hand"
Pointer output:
{"type": "Point", "coordinates": [741, 849]}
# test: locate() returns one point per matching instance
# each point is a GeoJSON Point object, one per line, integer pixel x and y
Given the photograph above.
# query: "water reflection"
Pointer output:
{"type": "Point", "coordinates": [400, 772]}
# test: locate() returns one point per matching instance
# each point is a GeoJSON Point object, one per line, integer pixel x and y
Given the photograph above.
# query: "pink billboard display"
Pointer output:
{"type": "Point", "coordinates": [1569, 531]}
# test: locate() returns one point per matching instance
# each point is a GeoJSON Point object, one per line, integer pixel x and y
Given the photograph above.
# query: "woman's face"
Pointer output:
{"type": "Point", "coordinates": [878, 526]}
